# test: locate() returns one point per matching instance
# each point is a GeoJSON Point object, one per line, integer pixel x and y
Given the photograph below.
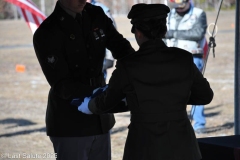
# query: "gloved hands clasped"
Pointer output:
{"type": "Point", "coordinates": [83, 107]}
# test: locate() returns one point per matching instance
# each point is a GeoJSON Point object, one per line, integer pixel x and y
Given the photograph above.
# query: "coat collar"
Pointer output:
{"type": "Point", "coordinates": [158, 43]}
{"type": "Point", "coordinates": [187, 15]}
{"type": "Point", "coordinates": [63, 12]}
{"type": "Point", "coordinates": [73, 14]}
{"type": "Point", "coordinates": [67, 21]}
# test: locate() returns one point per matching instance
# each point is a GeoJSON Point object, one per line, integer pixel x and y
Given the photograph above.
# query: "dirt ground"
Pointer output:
{"type": "Point", "coordinates": [23, 96]}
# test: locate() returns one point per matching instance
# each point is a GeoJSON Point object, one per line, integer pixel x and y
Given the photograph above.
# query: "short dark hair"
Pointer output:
{"type": "Point", "coordinates": [152, 29]}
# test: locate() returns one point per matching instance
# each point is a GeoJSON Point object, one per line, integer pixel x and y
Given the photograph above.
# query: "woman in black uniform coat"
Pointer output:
{"type": "Point", "coordinates": [158, 83]}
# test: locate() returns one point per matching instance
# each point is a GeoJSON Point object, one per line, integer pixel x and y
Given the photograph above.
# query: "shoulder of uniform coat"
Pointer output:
{"type": "Point", "coordinates": [180, 52]}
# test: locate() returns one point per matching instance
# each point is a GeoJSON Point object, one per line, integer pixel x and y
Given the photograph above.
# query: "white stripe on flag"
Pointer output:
{"type": "Point", "coordinates": [32, 23]}
{"type": "Point", "coordinates": [31, 14]}
{"type": "Point", "coordinates": [29, 6]}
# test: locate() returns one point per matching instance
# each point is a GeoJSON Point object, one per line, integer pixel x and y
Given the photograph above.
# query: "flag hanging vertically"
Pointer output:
{"type": "Point", "coordinates": [204, 46]}
{"type": "Point", "coordinates": [29, 11]}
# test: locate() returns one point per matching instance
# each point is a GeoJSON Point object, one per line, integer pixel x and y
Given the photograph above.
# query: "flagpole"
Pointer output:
{"type": "Point", "coordinates": [43, 6]}
{"type": "Point", "coordinates": [237, 75]}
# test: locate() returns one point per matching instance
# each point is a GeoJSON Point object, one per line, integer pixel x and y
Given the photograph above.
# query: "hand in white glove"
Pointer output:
{"type": "Point", "coordinates": [84, 106]}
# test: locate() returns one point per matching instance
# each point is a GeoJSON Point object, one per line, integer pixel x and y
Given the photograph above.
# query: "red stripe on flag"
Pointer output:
{"type": "Point", "coordinates": [27, 7]}
{"type": "Point", "coordinates": [25, 17]}
{"type": "Point", "coordinates": [205, 49]}
{"type": "Point", "coordinates": [36, 20]}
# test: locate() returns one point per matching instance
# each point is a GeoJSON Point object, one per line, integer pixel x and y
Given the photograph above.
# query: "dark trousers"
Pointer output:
{"type": "Point", "coordinates": [83, 148]}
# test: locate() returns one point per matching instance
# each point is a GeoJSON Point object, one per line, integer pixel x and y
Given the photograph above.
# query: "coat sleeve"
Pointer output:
{"type": "Point", "coordinates": [116, 43]}
{"type": "Point", "coordinates": [201, 92]}
{"type": "Point", "coordinates": [111, 100]}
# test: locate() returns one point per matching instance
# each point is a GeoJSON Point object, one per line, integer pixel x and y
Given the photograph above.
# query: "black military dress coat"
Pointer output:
{"type": "Point", "coordinates": [71, 56]}
{"type": "Point", "coordinates": [158, 83]}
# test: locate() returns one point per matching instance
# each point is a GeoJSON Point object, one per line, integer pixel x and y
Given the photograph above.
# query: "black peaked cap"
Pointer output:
{"type": "Point", "coordinates": [144, 12]}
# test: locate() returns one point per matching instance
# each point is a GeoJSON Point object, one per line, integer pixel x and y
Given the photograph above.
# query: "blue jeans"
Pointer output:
{"type": "Point", "coordinates": [198, 110]}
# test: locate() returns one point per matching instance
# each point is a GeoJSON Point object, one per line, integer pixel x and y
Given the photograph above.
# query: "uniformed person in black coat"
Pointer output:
{"type": "Point", "coordinates": [70, 46]}
{"type": "Point", "coordinates": [158, 83]}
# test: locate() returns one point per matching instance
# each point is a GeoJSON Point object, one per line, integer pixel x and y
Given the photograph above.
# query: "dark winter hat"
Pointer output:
{"type": "Point", "coordinates": [148, 18]}
{"type": "Point", "coordinates": [144, 12]}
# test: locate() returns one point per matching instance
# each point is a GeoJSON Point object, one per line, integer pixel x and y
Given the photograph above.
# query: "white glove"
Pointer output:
{"type": "Point", "coordinates": [84, 106]}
